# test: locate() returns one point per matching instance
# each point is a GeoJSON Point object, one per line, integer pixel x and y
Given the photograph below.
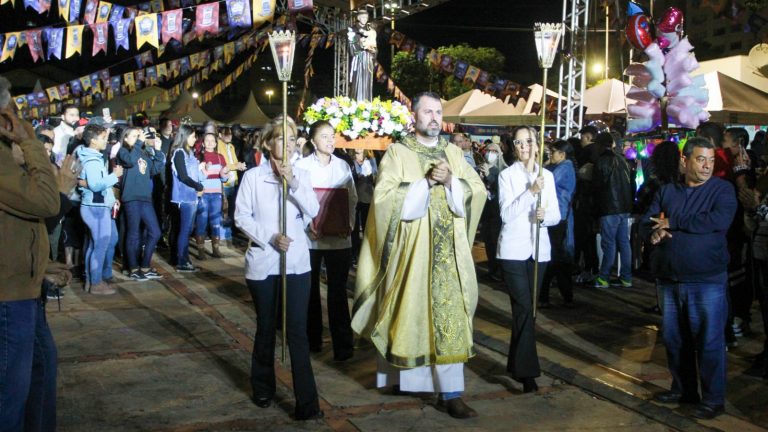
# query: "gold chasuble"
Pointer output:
{"type": "Point", "coordinates": [416, 289]}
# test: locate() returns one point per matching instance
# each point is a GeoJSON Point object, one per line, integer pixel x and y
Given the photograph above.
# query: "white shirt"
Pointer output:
{"type": "Point", "coordinates": [335, 175]}
{"type": "Point", "coordinates": [257, 214]}
{"type": "Point", "coordinates": [517, 238]}
{"type": "Point", "coordinates": [61, 136]}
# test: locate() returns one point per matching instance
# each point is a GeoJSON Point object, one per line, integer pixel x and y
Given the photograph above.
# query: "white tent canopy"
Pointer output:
{"type": "Point", "coordinates": [607, 97]}
{"type": "Point", "coordinates": [739, 68]}
{"type": "Point", "coordinates": [465, 103]}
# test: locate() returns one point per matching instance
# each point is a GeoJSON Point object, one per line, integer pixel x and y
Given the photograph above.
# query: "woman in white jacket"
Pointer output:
{"type": "Point", "coordinates": [257, 214]}
{"type": "Point", "coordinates": [519, 187]}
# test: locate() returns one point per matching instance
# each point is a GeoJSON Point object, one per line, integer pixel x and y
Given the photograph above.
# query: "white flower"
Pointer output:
{"type": "Point", "coordinates": [334, 122]}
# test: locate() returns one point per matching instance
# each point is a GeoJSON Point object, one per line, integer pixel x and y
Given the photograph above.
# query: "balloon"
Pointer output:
{"type": "Point", "coordinates": [634, 9]}
{"type": "Point", "coordinates": [630, 153]}
{"type": "Point", "coordinates": [638, 31]}
{"type": "Point", "coordinates": [672, 21]}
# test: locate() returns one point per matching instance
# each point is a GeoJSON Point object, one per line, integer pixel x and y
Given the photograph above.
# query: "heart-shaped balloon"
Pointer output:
{"type": "Point", "coordinates": [638, 31]}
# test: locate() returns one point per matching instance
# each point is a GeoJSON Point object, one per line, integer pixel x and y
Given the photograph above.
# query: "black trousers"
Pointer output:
{"type": "Point", "coordinates": [337, 263]}
{"type": "Point", "coordinates": [361, 215]}
{"type": "Point", "coordinates": [586, 243]}
{"type": "Point", "coordinates": [265, 293]}
{"type": "Point", "coordinates": [523, 359]}
{"type": "Point", "coordinates": [560, 266]}
{"type": "Point", "coordinates": [491, 227]}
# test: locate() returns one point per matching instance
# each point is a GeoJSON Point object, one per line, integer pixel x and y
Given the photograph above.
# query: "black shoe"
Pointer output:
{"type": "Point", "coordinates": [55, 294]}
{"type": "Point", "coordinates": [344, 356]}
{"type": "Point", "coordinates": [672, 397]}
{"type": "Point", "coordinates": [456, 408]}
{"type": "Point", "coordinates": [314, 415]}
{"type": "Point", "coordinates": [152, 273]}
{"type": "Point", "coordinates": [706, 412]}
{"type": "Point", "coordinates": [529, 385]}
{"type": "Point", "coordinates": [262, 402]}
{"type": "Point", "coordinates": [138, 276]}
{"type": "Point", "coordinates": [186, 268]}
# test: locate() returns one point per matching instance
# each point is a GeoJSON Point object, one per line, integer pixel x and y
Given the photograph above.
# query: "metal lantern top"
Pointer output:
{"type": "Point", "coordinates": [283, 44]}
{"type": "Point", "coordinates": [547, 37]}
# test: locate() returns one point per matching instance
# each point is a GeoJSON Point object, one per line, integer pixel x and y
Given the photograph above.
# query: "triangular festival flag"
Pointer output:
{"type": "Point", "coordinates": [207, 19]}
{"type": "Point", "coordinates": [120, 29]}
{"type": "Point", "coordinates": [74, 40]}
{"type": "Point", "coordinates": [74, 10]}
{"type": "Point", "coordinates": [10, 45]}
{"type": "Point", "coordinates": [64, 9]}
{"type": "Point", "coordinates": [239, 13]}
{"type": "Point", "coordinates": [55, 37]}
{"type": "Point", "coordinates": [146, 30]}
{"type": "Point", "coordinates": [172, 25]}
{"type": "Point", "coordinates": [91, 7]}
{"type": "Point", "coordinates": [117, 13]}
{"type": "Point", "coordinates": [100, 37]}
{"type": "Point", "coordinates": [263, 11]}
{"type": "Point", "coordinates": [102, 14]}
{"type": "Point", "coordinates": [35, 44]}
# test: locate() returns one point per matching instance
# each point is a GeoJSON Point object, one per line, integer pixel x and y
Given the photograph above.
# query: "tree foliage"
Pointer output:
{"type": "Point", "coordinates": [414, 76]}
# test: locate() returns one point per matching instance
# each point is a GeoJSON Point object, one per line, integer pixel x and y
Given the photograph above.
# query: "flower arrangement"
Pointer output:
{"type": "Point", "coordinates": [358, 119]}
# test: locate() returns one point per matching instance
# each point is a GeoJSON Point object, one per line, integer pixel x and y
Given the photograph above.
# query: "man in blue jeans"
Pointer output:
{"type": "Point", "coordinates": [28, 194]}
{"type": "Point", "coordinates": [688, 223]}
{"type": "Point", "coordinates": [613, 186]}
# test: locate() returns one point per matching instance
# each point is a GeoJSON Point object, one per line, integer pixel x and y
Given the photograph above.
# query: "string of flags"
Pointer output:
{"type": "Point", "coordinates": [469, 75]}
{"type": "Point", "coordinates": [151, 23]}
{"type": "Point", "coordinates": [383, 78]}
{"type": "Point", "coordinates": [99, 86]}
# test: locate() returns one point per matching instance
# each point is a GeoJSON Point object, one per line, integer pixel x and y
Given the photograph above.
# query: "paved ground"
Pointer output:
{"type": "Point", "coordinates": [174, 355]}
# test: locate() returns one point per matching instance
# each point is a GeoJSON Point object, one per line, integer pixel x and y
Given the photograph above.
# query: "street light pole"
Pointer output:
{"type": "Point", "coordinates": [283, 44]}
{"type": "Point", "coordinates": [547, 38]}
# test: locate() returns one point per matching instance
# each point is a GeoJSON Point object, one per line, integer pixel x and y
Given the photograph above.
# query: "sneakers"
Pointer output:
{"type": "Point", "coordinates": [138, 276]}
{"type": "Point", "coordinates": [55, 294]}
{"type": "Point", "coordinates": [151, 273]}
{"type": "Point", "coordinates": [186, 268]}
{"type": "Point", "coordinates": [623, 283]}
{"type": "Point", "coordinates": [601, 283]}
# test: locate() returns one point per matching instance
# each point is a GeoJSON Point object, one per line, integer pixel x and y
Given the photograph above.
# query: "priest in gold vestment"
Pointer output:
{"type": "Point", "coordinates": [416, 288]}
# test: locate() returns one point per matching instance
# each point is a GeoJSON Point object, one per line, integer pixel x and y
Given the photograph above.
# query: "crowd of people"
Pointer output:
{"type": "Point", "coordinates": [108, 192]}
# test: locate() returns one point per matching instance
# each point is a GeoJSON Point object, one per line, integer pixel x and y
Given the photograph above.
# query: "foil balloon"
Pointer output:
{"type": "Point", "coordinates": [639, 32]}
{"type": "Point", "coordinates": [671, 22]}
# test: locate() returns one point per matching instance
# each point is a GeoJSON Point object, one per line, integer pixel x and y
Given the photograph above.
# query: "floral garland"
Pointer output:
{"type": "Point", "coordinates": [358, 119]}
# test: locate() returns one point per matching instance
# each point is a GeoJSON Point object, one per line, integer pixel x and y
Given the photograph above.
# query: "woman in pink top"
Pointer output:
{"type": "Point", "coordinates": [214, 168]}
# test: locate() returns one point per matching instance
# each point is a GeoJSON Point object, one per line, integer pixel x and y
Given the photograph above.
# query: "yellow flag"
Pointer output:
{"type": "Point", "coordinates": [162, 71]}
{"type": "Point", "coordinates": [146, 30]}
{"type": "Point", "coordinates": [2, 2]}
{"type": "Point", "coordinates": [64, 9]}
{"type": "Point", "coordinates": [74, 40]}
{"type": "Point", "coordinates": [130, 84]}
{"type": "Point", "coordinates": [263, 11]}
{"type": "Point", "coordinates": [102, 13]}
{"type": "Point", "coordinates": [12, 41]}
{"type": "Point", "coordinates": [53, 93]}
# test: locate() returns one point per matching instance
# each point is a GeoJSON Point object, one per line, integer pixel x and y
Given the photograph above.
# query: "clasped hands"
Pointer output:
{"type": "Point", "coordinates": [660, 230]}
{"type": "Point", "coordinates": [440, 173]}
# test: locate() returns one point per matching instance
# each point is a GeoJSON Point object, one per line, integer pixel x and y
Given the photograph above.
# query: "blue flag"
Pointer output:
{"type": "Point", "coordinates": [55, 37]}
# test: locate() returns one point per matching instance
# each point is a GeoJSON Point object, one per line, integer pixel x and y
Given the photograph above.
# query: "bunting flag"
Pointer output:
{"type": "Point", "coordinates": [74, 10]}
{"type": "Point", "coordinates": [229, 52]}
{"type": "Point", "coordinates": [396, 39]}
{"type": "Point", "coordinates": [42, 98]}
{"type": "Point", "coordinates": [152, 76]}
{"type": "Point", "coordinates": [263, 11]}
{"type": "Point", "coordinates": [64, 9]}
{"type": "Point", "coordinates": [91, 7]}
{"type": "Point", "coordinates": [461, 69]}
{"type": "Point", "coordinates": [162, 71]}
{"type": "Point", "coordinates": [146, 30]}
{"type": "Point", "coordinates": [446, 64]}
{"type": "Point", "coordinates": [100, 37]}
{"type": "Point", "coordinates": [434, 57]}
{"type": "Point", "coordinates": [184, 65]}
{"type": "Point", "coordinates": [117, 13]}
{"type": "Point", "coordinates": [63, 91]}
{"type": "Point", "coordinates": [74, 40]}
{"type": "Point", "coordinates": [239, 13]}
{"type": "Point", "coordinates": [55, 37]}
{"type": "Point", "coordinates": [408, 45]}
{"type": "Point", "coordinates": [21, 102]}
{"type": "Point", "coordinates": [35, 43]}
{"type": "Point", "coordinates": [207, 19]}
{"type": "Point", "coordinates": [130, 84]}
{"type": "Point", "coordinates": [300, 6]}
{"type": "Point", "coordinates": [95, 82]}
{"type": "Point", "coordinates": [86, 82]}
{"type": "Point", "coordinates": [104, 77]}
{"type": "Point", "coordinates": [53, 93]}
{"type": "Point", "coordinates": [10, 45]}
{"type": "Point", "coordinates": [43, 6]}
{"type": "Point", "coordinates": [120, 29]}
{"type": "Point", "coordinates": [114, 83]}
{"type": "Point", "coordinates": [172, 25]}
{"type": "Point", "coordinates": [139, 77]}
{"type": "Point", "coordinates": [156, 5]}
{"type": "Point", "coordinates": [471, 76]}
{"type": "Point", "coordinates": [2, 2]}
{"type": "Point", "coordinates": [76, 87]}
{"type": "Point", "coordinates": [482, 78]}
{"type": "Point", "coordinates": [102, 14]}
{"type": "Point", "coordinates": [421, 53]}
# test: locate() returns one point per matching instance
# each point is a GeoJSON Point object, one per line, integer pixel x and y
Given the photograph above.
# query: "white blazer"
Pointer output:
{"type": "Point", "coordinates": [518, 208]}
{"type": "Point", "coordinates": [336, 174]}
{"type": "Point", "coordinates": [257, 214]}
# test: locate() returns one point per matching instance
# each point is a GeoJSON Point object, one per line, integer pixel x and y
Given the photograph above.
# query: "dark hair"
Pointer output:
{"type": "Point", "coordinates": [90, 132]}
{"type": "Point", "coordinates": [589, 130]}
{"type": "Point", "coordinates": [45, 139]}
{"type": "Point", "coordinates": [163, 121]}
{"type": "Point", "coordinates": [665, 162]}
{"type": "Point", "coordinates": [740, 135]}
{"type": "Point", "coordinates": [759, 145]}
{"type": "Point", "coordinates": [202, 146]}
{"type": "Point", "coordinates": [417, 99]}
{"type": "Point", "coordinates": [125, 133]}
{"type": "Point", "coordinates": [180, 141]}
{"type": "Point", "coordinates": [711, 130]}
{"type": "Point", "coordinates": [225, 130]}
{"type": "Point", "coordinates": [605, 140]}
{"type": "Point", "coordinates": [565, 147]}
{"type": "Point", "coordinates": [69, 106]}
{"type": "Point", "coordinates": [696, 142]}
{"type": "Point", "coordinates": [43, 127]}
{"type": "Point", "coordinates": [317, 125]}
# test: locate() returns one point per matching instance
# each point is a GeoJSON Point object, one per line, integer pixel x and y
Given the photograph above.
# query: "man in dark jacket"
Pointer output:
{"type": "Point", "coordinates": [28, 194]}
{"type": "Point", "coordinates": [614, 192]}
{"type": "Point", "coordinates": [688, 222]}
